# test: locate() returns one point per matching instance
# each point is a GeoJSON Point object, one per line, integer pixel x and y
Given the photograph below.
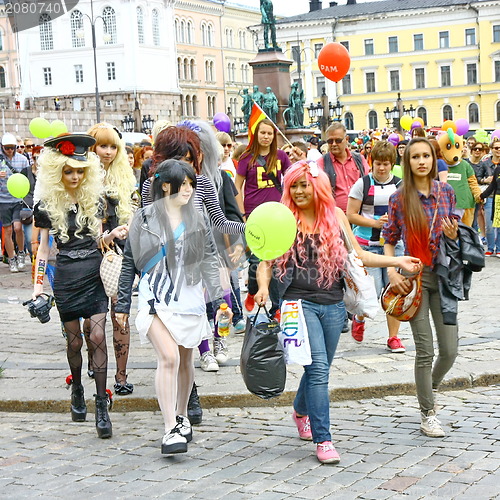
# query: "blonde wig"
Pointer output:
{"type": "Point", "coordinates": [120, 181]}
{"type": "Point", "coordinates": [56, 200]}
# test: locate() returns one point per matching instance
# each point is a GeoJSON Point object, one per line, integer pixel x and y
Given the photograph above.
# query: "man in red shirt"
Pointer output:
{"type": "Point", "coordinates": [343, 167]}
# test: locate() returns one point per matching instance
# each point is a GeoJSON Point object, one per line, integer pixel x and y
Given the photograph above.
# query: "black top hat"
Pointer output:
{"type": "Point", "coordinates": [73, 146]}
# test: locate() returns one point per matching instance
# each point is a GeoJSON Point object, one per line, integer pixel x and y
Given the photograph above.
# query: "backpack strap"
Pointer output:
{"type": "Point", "coordinates": [368, 181]}
{"type": "Point", "coordinates": [359, 163]}
{"type": "Point", "coordinates": [330, 170]}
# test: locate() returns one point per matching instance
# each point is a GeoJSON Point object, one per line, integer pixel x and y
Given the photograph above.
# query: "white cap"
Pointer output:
{"type": "Point", "coordinates": [9, 140]}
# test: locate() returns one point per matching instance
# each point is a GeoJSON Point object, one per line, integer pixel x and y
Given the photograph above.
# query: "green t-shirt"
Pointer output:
{"type": "Point", "coordinates": [457, 179]}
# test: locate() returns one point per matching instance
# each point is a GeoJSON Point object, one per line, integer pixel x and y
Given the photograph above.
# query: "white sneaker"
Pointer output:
{"type": "Point", "coordinates": [21, 260]}
{"type": "Point", "coordinates": [173, 442]}
{"type": "Point", "coordinates": [184, 426]}
{"type": "Point", "coordinates": [240, 326]}
{"type": "Point", "coordinates": [13, 265]}
{"type": "Point", "coordinates": [208, 363]}
{"type": "Point", "coordinates": [430, 425]}
{"type": "Point", "coordinates": [220, 350]}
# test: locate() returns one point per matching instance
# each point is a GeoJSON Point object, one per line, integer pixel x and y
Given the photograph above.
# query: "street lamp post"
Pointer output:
{"type": "Point", "coordinates": [128, 123]}
{"type": "Point", "coordinates": [324, 113]}
{"type": "Point", "coordinates": [147, 124]}
{"type": "Point", "coordinates": [397, 112]}
{"type": "Point", "coordinates": [107, 37]}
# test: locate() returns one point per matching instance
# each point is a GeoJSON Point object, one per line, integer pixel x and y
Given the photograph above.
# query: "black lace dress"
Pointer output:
{"type": "Point", "coordinates": [78, 288]}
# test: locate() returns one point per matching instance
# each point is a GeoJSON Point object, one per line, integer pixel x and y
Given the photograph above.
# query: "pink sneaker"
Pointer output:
{"type": "Point", "coordinates": [394, 344]}
{"type": "Point", "coordinates": [358, 329]}
{"type": "Point", "coordinates": [326, 453]}
{"type": "Point", "coordinates": [303, 426]}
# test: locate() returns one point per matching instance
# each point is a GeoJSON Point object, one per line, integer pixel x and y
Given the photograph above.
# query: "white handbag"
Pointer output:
{"type": "Point", "coordinates": [360, 295]}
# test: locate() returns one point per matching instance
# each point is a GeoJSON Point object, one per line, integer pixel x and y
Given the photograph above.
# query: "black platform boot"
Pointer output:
{"type": "Point", "coordinates": [195, 412]}
{"type": "Point", "coordinates": [78, 407]}
{"type": "Point", "coordinates": [102, 421]}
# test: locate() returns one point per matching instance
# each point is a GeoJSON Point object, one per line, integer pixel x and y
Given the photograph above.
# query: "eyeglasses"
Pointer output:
{"type": "Point", "coordinates": [478, 149]}
{"type": "Point", "coordinates": [336, 140]}
{"type": "Point", "coordinates": [227, 145]}
{"type": "Point", "coordinates": [20, 146]}
{"type": "Point", "coordinates": [10, 147]}
{"type": "Point", "coordinates": [29, 146]}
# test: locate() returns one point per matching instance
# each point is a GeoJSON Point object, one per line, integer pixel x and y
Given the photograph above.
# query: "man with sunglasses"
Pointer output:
{"type": "Point", "coordinates": [343, 167]}
{"type": "Point", "coordinates": [11, 162]}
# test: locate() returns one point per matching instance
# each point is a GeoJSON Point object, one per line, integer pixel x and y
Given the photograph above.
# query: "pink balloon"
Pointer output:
{"type": "Point", "coordinates": [222, 122]}
{"type": "Point", "coordinates": [393, 139]}
{"type": "Point", "coordinates": [462, 126]}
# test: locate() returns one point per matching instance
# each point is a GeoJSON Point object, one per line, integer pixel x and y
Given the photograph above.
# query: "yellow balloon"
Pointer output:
{"type": "Point", "coordinates": [406, 121]}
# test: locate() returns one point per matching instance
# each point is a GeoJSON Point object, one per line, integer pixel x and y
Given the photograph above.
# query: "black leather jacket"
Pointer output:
{"type": "Point", "coordinates": [144, 242]}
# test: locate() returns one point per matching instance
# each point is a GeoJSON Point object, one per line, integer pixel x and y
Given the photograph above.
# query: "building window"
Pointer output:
{"type": "Point", "coordinates": [470, 36]}
{"type": "Point", "coordinates": [418, 42]}
{"type": "Point", "coordinates": [244, 73]}
{"type": "Point", "coordinates": [393, 44]}
{"type": "Point", "coordinates": [209, 71]}
{"type": "Point", "coordinates": [498, 112]}
{"type": "Point", "coordinates": [445, 76]}
{"type": "Point", "coordinates": [78, 73]}
{"type": "Point", "coordinates": [211, 106]}
{"type": "Point", "coordinates": [229, 37]}
{"type": "Point", "coordinates": [77, 33]}
{"type": "Point", "coordinates": [231, 72]}
{"type": "Point", "coordinates": [369, 47]}
{"type": "Point", "coordinates": [140, 24]}
{"type": "Point", "coordinates": [320, 85]}
{"type": "Point", "coordinates": [177, 34]}
{"type": "Point", "coordinates": [110, 68]}
{"type": "Point", "coordinates": [46, 39]}
{"type": "Point", "coordinates": [497, 71]}
{"type": "Point", "coordinates": [346, 85]}
{"type": "Point", "coordinates": [447, 112]}
{"type": "Point", "coordinates": [420, 78]}
{"type": "Point", "coordinates": [47, 76]}
{"type": "Point", "coordinates": [422, 113]}
{"type": "Point", "coordinates": [444, 39]}
{"type": "Point", "coordinates": [496, 33]}
{"type": "Point", "coordinates": [370, 82]}
{"type": "Point", "coordinates": [192, 70]}
{"type": "Point", "coordinates": [317, 49]}
{"type": "Point", "coordinates": [210, 37]}
{"type": "Point", "coordinates": [189, 33]}
{"type": "Point", "coordinates": [194, 105]}
{"type": "Point", "coordinates": [186, 67]}
{"type": "Point", "coordinates": [473, 113]}
{"type": "Point", "coordinates": [155, 20]}
{"type": "Point", "coordinates": [204, 36]}
{"type": "Point", "coordinates": [109, 18]}
{"type": "Point", "coordinates": [345, 44]}
{"type": "Point", "coordinates": [349, 121]}
{"type": "Point", "coordinates": [372, 120]}
{"type": "Point", "coordinates": [471, 74]}
{"type": "Point", "coordinates": [187, 102]}
{"type": "Point", "coordinates": [394, 75]}
{"type": "Point", "coordinates": [179, 68]}
{"type": "Point", "coordinates": [233, 105]}
{"type": "Point", "coordinates": [1, 40]}
{"type": "Point", "coordinates": [3, 83]}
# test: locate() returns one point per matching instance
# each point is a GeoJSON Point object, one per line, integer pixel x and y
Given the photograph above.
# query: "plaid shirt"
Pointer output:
{"type": "Point", "coordinates": [395, 229]}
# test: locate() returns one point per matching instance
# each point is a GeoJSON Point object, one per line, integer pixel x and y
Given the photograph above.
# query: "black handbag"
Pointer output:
{"type": "Point", "coordinates": [262, 360]}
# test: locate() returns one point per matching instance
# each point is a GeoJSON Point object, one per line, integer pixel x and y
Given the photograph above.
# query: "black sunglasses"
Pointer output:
{"type": "Point", "coordinates": [336, 141]}
{"type": "Point", "coordinates": [477, 149]}
{"type": "Point", "coordinates": [10, 147]}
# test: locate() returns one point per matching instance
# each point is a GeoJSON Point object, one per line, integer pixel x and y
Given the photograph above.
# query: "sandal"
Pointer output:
{"type": "Point", "coordinates": [123, 389]}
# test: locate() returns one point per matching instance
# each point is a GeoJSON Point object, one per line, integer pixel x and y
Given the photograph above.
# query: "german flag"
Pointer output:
{"type": "Point", "coordinates": [256, 116]}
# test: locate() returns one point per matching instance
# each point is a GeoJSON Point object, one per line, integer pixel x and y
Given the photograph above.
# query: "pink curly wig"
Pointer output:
{"type": "Point", "coordinates": [331, 250]}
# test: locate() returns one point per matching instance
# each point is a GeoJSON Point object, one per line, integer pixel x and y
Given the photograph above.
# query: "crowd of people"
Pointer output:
{"type": "Point", "coordinates": [176, 207]}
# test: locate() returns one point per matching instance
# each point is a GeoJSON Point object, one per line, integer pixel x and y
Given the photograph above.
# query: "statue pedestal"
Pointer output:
{"type": "Point", "coordinates": [272, 69]}
{"type": "Point", "coordinates": [292, 134]}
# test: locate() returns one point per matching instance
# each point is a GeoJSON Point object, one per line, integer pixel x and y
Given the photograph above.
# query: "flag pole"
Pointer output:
{"type": "Point", "coordinates": [275, 126]}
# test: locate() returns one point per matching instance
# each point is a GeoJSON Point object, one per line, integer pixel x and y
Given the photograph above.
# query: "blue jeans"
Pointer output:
{"type": "Point", "coordinates": [492, 233]}
{"type": "Point", "coordinates": [380, 273]}
{"type": "Point", "coordinates": [324, 325]}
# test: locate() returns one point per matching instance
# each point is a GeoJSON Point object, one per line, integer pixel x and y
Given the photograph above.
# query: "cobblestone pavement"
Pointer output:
{"type": "Point", "coordinates": [255, 453]}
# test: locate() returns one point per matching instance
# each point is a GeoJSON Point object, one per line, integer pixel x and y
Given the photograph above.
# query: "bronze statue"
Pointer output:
{"type": "Point", "coordinates": [246, 108]}
{"type": "Point", "coordinates": [270, 104]}
{"type": "Point", "coordinates": [257, 95]}
{"type": "Point", "coordinates": [266, 9]}
{"type": "Point", "coordinates": [294, 114]}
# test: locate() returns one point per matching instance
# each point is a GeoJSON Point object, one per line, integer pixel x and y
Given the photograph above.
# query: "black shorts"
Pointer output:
{"type": "Point", "coordinates": [9, 212]}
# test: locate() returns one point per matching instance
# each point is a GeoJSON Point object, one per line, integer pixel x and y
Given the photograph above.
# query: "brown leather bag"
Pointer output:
{"type": "Point", "coordinates": [403, 307]}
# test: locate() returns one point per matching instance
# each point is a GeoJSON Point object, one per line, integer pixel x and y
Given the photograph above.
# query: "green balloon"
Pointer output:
{"type": "Point", "coordinates": [270, 230]}
{"type": "Point", "coordinates": [18, 185]}
{"type": "Point", "coordinates": [40, 127]}
{"type": "Point", "coordinates": [58, 127]}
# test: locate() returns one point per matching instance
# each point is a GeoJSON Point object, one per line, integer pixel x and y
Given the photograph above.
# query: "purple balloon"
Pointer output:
{"type": "Point", "coordinates": [222, 122]}
{"type": "Point", "coordinates": [393, 139]}
{"type": "Point", "coordinates": [416, 124]}
{"type": "Point", "coordinates": [496, 134]}
{"type": "Point", "coordinates": [462, 126]}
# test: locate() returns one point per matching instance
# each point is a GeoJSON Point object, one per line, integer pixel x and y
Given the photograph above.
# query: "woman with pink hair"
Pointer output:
{"type": "Point", "coordinates": [312, 271]}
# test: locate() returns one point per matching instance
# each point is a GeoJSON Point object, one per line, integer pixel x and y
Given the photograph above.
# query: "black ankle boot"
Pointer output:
{"type": "Point", "coordinates": [78, 407]}
{"type": "Point", "coordinates": [102, 421]}
{"type": "Point", "coordinates": [195, 412]}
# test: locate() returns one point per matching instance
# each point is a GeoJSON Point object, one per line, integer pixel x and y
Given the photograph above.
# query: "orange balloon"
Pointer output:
{"type": "Point", "coordinates": [449, 124]}
{"type": "Point", "coordinates": [420, 120]}
{"type": "Point", "coordinates": [334, 61]}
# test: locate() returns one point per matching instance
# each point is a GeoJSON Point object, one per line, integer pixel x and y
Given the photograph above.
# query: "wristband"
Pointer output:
{"type": "Point", "coordinates": [40, 272]}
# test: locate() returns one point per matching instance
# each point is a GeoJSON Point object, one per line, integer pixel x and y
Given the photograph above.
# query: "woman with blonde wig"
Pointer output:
{"type": "Point", "coordinates": [312, 271]}
{"type": "Point", "coordinates": [119, 187]}
{"type": "Point", "coordinates": [69, 186]}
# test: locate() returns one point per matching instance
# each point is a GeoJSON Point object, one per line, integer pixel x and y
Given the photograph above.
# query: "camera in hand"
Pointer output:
{"type": "Point", "coordinates": [40, 307]}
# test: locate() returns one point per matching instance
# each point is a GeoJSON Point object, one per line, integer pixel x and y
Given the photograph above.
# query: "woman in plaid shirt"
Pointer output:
{"type": "Point", "coordinates": [420, 212]}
